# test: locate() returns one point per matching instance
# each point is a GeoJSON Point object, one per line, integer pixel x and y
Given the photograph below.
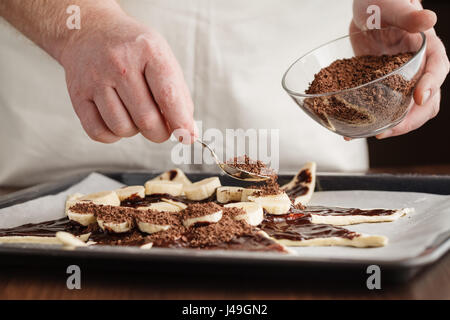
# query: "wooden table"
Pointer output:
{"type": "Point", "coordinates": [50, 283]}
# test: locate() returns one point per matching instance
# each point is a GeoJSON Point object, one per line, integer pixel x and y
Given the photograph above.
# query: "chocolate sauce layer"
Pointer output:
{"type": "Point", "coordinates": [42, 229]}
{"type": "Point", "coordinates": [298, 226]}
{"type": "Point", "coordinates": [336, 211]}
{"type": "Point", "coordinates": [299, 187]}
{"type": "Point", "coordinates": [254, 242]}
{"type": "Point", "coordinates": [250, 242]}
{"type": "Point", "coordinates": [149, 199]}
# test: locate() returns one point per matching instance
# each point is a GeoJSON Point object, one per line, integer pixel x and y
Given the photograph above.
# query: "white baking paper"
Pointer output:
{"type": "Point", "coordinates": [52, 207]}
{"type": "Point", "coordinates": [408, 237]}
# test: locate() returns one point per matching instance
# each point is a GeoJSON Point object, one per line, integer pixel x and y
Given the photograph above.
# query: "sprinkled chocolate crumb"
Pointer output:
{"type": "Point", "coordinates": [233, 211]}
{"type": "Point", "coordinates": [106, 213]}
{"type": "Point", "coordinates": [157, 217]}
{"type": "Point", "coordinates": [252, 166]}
{"type": "Point", "coordinates": [299, 206]}
{"type": "Point", "coordinates": [194, 210]}
{"type": "Point", "coordinates": [223, 231]}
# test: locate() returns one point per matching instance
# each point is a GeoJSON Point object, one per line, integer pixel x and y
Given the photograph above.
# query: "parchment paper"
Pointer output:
{"type": "Point", "coordinates": [408, 236]}
{"type": "Point", "coordinates": [52, 207]}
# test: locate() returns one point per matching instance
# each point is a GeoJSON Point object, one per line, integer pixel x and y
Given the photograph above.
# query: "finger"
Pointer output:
{"type": "Point", "coordinates": [436, 70]}
{"type": "Point", "coordinates": [407, 15]}
{"type": "Point", "coordinates": [170, 92]}
{"type": "Point", "coordinates": [93, 123]}
{"type": "Point", "coordinates": [404, 14]}
{"type": "Point", "coordinates": [415, 118]}
{"type": "Point", "coordinates": [114, 113]}
{"type": "Point", "coordinates": [137, 98]}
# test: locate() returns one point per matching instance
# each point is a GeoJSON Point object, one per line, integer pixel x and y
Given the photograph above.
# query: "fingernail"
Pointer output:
{"type": "Point", "coordinates": [385, 134]}
{"type": "Point", "coordinates": [426, 96]}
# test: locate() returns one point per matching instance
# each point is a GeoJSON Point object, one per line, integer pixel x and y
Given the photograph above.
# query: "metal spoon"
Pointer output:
{"type": "Point", "coordinates": [232, 171]}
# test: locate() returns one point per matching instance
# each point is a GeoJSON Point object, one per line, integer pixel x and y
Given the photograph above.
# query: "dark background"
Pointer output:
{"type": "Point", "coordinates": [430, 144]}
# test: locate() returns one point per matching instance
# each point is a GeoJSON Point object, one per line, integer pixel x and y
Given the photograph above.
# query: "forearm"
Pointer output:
{"type": "Point", "coordinates": [44, 21]}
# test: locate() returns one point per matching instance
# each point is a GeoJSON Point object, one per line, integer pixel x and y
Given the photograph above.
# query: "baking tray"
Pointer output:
{"type": "Point", "coordinates": [191, 261]}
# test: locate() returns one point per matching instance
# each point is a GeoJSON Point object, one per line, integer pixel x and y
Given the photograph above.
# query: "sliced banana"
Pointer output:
{"type": "Point", "coordinates": [273, 204]}
{"type": "Point", "coordinates": [254, 214]}
{"type": "Point", "coordinates": [248, 192]}
{"type": "Point", "coordinates": [301, 187]}
{"type": "Point", "coordinates": [101, 198]}
{"type": "Point", "coordinates": [209, 218]}
{"type": "Point", "coordinates": [229, 194]}
{"type": "Point", "coordinates": [147, 246]}
{"type": "Point", "coordinates": [202, 189]}
{"type": "Point", "coordinates": [179, 204]}
{"type": "Point", "coordinates": [163, 187]}
{"type": "Point", "coordinates": [117, 227]}
{"type": "Point", "coordinates": [72, 200]}
{"type": "Point", "coordinates": [151, 227]}
{"type": "Point", "coordinates": [84, 219]}
{"type": "Point", "coordinates": [131, 192]}
{"type": "Point", "coordinates": [69, 240]}
{"type": "Point", "coordinates": [109, 198]}
{"type": "Point", "coordinates": [162, 207]}
{"type": "Point", "coordinates": [175, 175]}
{"type": "Point", "coordinates": [152, 221]}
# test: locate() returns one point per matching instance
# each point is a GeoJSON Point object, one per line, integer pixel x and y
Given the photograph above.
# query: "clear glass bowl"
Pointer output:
{"type": "Point", "coordinates": [370, 108]}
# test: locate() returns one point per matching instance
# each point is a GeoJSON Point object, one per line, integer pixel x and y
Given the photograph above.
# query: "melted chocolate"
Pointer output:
{"type": "Point", "coordinates": [250, 242]}
{"type": "Point", "coordinates": [298, 226]}
{"type": "Point", "coordinates": [299, 188]}
{"type": "Point", "coordinates": [149, 199]}
{"type": "Point", "coordinates": [336, 211]}
{"type": "Point", "coordinates": [254, 242]}
{"type": "Point", "coordinates": [42, 229]}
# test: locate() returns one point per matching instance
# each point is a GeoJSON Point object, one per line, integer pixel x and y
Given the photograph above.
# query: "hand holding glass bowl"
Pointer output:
{"type": "Point", "coordinates": [367, 109]}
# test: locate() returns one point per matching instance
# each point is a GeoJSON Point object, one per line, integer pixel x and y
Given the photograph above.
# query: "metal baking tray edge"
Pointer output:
{"type": "Point", "coordinates": [399, 270]}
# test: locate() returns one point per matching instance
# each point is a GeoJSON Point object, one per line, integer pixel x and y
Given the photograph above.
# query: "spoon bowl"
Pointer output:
{"type": "Point", "coordinates": [232, 171]}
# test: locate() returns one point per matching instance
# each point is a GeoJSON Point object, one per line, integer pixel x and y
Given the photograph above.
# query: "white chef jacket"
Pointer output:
{"type": "Point", "coordinates": [233, 54]}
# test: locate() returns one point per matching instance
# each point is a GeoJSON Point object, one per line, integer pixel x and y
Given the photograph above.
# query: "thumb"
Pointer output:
{"type": "Point", "coordinates": [407, 16]}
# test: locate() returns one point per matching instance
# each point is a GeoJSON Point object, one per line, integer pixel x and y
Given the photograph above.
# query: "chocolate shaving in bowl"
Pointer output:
{"type": "Point", "coordinates": [370, 107]}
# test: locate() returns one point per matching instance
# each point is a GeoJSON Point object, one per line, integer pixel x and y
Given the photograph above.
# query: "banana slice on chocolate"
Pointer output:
{"type": "Point", "coordinates": [229, 194]}
{"type": "Point", "coordinates": [99, 198]}
{"type": "Point", "coordinates": [253, 212]}
{"type": "Point", "coordinates": [175, 175]}
{"type": "Point", "coordinates": [202, 189]}
{"type": "Point", "coordinates": [152, 227]}
{"type": "Point", "coordinates": [69, 240]}
{"type": "Point", "coordinates": [152, 221]}
{"type": "Point", "coordinates": [202, 213]}
{"type": "Point", "coordinates": [273, 204]}
{"type": "Point", "coordinates": [114, 219]}
{"type": "Point", "coordinates": [179, 204]}
{"type": "Point", "coordinates": [163, 187]}
{"type": "Point", "coordinates": [248, 192]}
{"type": "Point", "coordinates": [131, 192]}
{"type": "Point", "coordinates": [162, 207]}
{"type": "Point", "coordinates": [109, 198]}
{"type": "Point", "coordinates": [301, 188]}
